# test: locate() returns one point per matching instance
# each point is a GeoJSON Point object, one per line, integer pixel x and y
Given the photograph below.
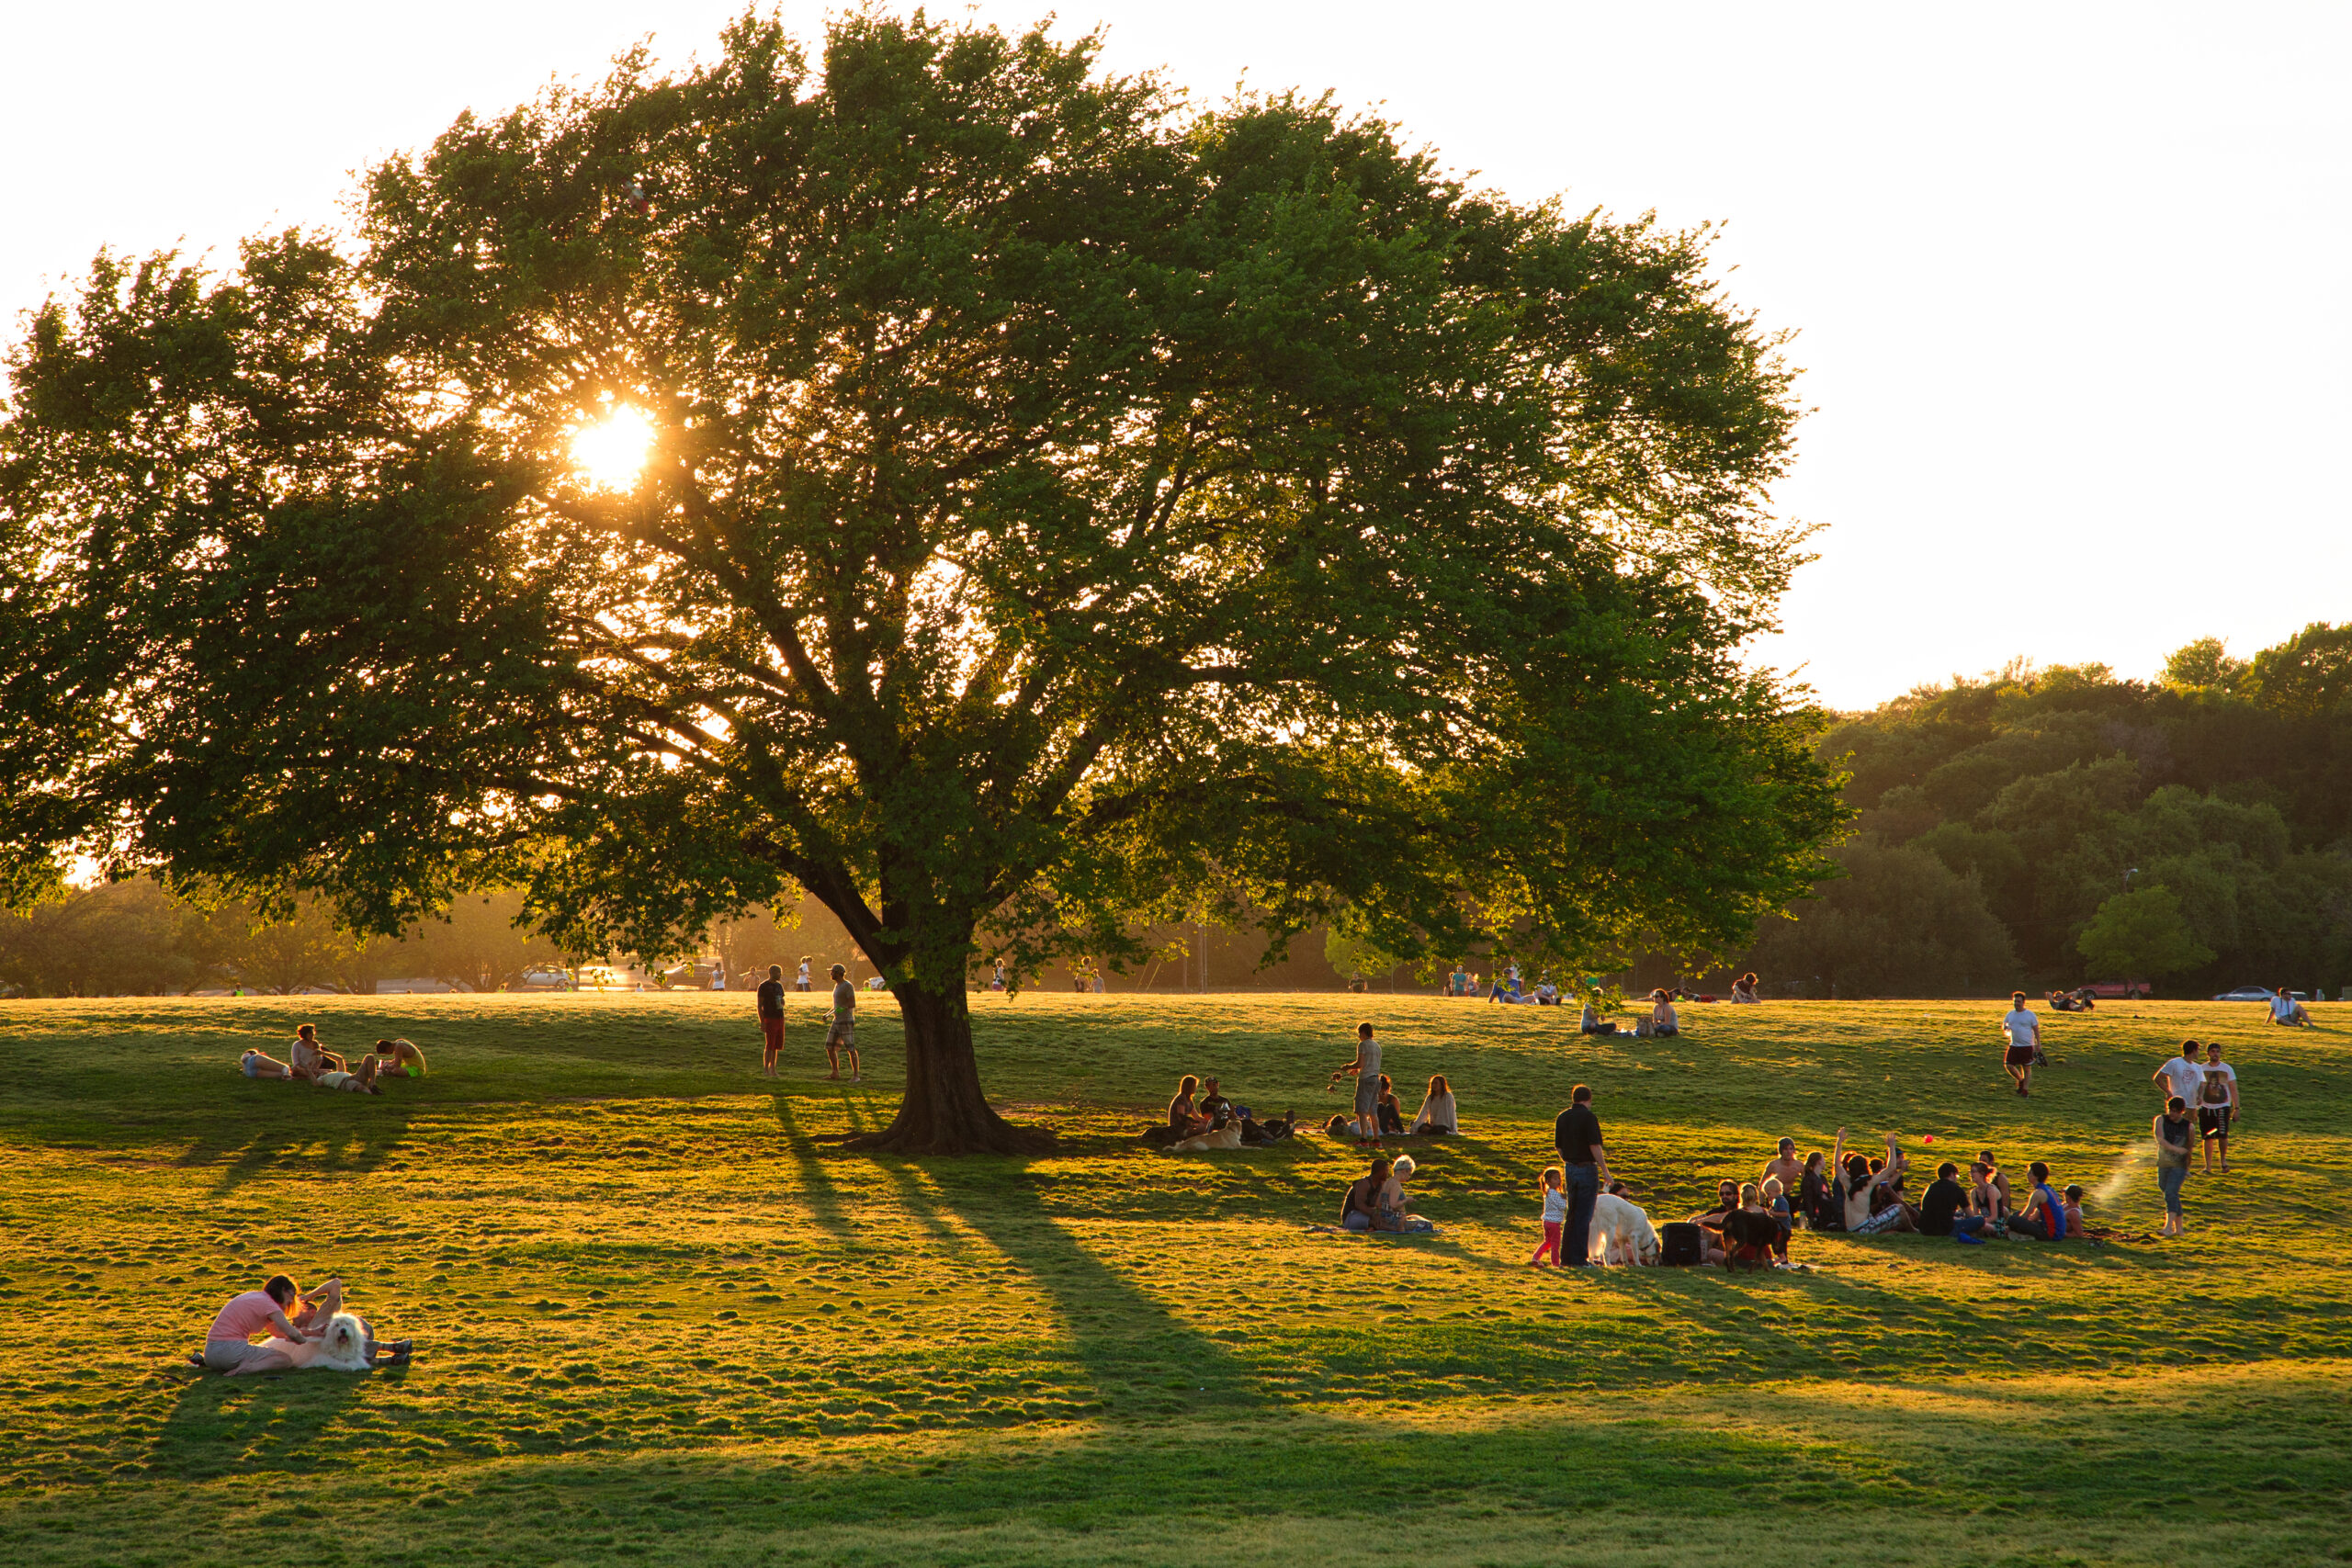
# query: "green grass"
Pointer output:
{"type": "Point", "coordinates": [660, 1321]}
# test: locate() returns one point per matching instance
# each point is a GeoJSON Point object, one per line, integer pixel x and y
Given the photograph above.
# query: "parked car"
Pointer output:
{"type": "Point", "coordinates": [2255, 994]}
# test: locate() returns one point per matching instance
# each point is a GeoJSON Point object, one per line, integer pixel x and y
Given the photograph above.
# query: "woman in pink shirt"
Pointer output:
{"type": "Point", "coordinates": [229, 1348]}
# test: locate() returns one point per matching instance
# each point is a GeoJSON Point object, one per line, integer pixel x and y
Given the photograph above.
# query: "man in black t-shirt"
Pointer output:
{"type": "Point", "coordinates": [1585, 1163]}
{"type": "Point", "coordinates": [1213, 1103]}
{"type": "Point", "coordinates": [772, 1018]}
{"type": "Point", "coordinates": [1941, 1205]}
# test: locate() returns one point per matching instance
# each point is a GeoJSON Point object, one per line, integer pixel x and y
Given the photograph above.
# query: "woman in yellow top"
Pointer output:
{"type": "Point", "coordinates": [404, 1059]}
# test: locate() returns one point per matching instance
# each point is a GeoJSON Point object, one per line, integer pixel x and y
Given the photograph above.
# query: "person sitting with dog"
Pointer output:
{"type": "Point", "coordinates": [1436, 1116]}
{"type": "Point", "coordinates": [1213, 1107]}
{"type": "Point", "coordinates": [228, 1347]}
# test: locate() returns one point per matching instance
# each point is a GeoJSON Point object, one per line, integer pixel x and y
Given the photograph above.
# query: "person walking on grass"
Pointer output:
{"type": "Point", "coordinates": [1584, 1167]}
{"type": "Point", "coordinates": [771, 1006]}
{"type": "Point", "coordinates": [1366, 1070]}
{"type": "Point", "coordinates": [2024, 1035]}
{"type": "Point", "coordinates": [841, 1035]}
{"type": "Point", "coordinates": [2175, 1135]}
{"type": "Point", "coordinates": [2217, 1106]}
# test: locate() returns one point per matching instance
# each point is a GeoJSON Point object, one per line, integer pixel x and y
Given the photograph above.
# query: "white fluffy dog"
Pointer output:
{"type": "Point", "coordinates": [1621, 1232]}
{"type": "Point", "coordinates": [345, 1348]}
{"type": "Point", "coordinates": [1226, 1137]}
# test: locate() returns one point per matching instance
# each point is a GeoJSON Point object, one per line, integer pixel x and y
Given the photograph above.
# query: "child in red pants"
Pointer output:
{"type": "Point", "coordinates": [1556, 1214]}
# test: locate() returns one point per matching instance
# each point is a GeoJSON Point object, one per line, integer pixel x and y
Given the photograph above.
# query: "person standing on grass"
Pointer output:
{"type": "Point", "coordinates": [1556, 1214]}
{"type": "Point", "coordinates": [1584, 1166]}
{"type": "Point", "coordinates": [771, 1005]}
{"type": "Point", "coordinates": [802, 984]}
{"type": "Point", "coordinates": [2024, 1035]}
{"type": "Point", "coordinates": [841, 1035]}
{"type": "Point", "coordinates": [2181, 1075]}
{"type": "Point", "coordinates": [2175, 1135]}
{"type": "Point", "coordinates": [1366, 1070]}
{"type": "Point", "coordinates": [2217, 1106]}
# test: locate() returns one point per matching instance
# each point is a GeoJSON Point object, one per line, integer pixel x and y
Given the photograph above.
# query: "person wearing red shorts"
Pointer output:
{"type": "Point", "coordinates": [772, 1018]}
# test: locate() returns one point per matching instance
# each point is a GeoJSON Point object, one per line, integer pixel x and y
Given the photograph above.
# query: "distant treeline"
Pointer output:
{"type": "Point", "coordinates": [2041, 828]}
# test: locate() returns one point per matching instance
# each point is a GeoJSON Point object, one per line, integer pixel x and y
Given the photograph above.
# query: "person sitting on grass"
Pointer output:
{"type": "Point", "coordinates": [1857, 1186]}
{"type": "Point", "coordinates": [1744, 989]}
{"type": "Point", "coordinates": [1783, 1212]}
{"type": "Point", "coordinates": [1182, 1119]}
{"type": "Point", "coordinates": [1360, 1210]}
{"type": "Point", "coordinates": [1663, 1022]}
{"type": "Point", "coordinates": [1813, 1195]}
{"type": "Point", "coordinates": [1592, 1022]}
{"type": "Point", "coordinates": [228, 1347]}
{"type": "Point", "coordinates": [1941, 1206]}
{"type": "Point", "coordinates": [1436, 1116]}
{"type": "Point", "coordinates": [2073, 1208]}
{"type": "Point", "coordinates": [1992, 1196]}
{"type": "Point", "coordinates": [1395, 1202]}
{"type": "Point", "coordinates": [2044, 1218]}
{"type": "Point", "coordinates": [1391, 1115]}
{"type": "Point", "coordinates": [2287, 1011]}
{"type": "Point", "coordinates": [1214, 1108]}
{"type": "Point", "coordinates": [310, 1058]}
{"type": "Point", "coordinates": [1782, 1166]}
{"type": "Point", "coordinates": [400, 1058]}
{"type": "Point", "coordinates": [1711, 1223]}
{"type": "Point", "coordinates": [255, 1063]}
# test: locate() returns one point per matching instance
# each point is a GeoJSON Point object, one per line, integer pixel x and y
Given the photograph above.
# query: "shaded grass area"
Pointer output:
{"type": "Point", "coordinates": [658, 1316]}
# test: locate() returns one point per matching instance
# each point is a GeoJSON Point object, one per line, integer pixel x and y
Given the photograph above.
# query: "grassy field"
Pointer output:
{"type": "Point", "coordinates": [659, 1321]}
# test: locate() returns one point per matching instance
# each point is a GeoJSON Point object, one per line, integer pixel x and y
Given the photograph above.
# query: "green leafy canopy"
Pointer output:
{"type": "Point", "coordinates": [1064, 504]}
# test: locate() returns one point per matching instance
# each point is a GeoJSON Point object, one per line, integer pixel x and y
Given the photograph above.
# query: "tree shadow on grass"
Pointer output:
{"type": "Point", "coordinates": [286, 1421]}
{"type": "Point", "coordinates": [242, 1152]}
{"type": "Point", "coordinates": [1130, 1346]}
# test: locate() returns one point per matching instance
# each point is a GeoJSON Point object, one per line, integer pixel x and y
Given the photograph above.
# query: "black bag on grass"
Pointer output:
{"type": "Point", "coordinates": [1680, 1243]}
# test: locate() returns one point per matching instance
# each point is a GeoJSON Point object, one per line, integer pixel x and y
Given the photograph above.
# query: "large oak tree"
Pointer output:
{"type": "Point", "coordinates": [1064, 507]}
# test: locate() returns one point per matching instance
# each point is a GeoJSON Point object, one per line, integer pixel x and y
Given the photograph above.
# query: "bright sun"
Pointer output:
{"type": "Point", "coordinates": [611, 453]}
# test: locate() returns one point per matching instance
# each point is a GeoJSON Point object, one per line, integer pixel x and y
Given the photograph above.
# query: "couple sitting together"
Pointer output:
{"type": "Point", "coordinates": [1378, 1201]}
{"type": "Point", "coordinates": [1213, 1121]}
{"type": "Point", "coordinates": [1662, 1020]}
{"type": "Point", "coordinates": [324, 1069]}
{"type": "Point", "coordinates": [319, 1334]}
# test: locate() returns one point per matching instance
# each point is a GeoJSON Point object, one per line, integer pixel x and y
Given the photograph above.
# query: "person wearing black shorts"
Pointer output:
{"type": "Point", "coordinates": [2023, 1032]}
{"type": "Point", "coordinates": [2217, 1106]}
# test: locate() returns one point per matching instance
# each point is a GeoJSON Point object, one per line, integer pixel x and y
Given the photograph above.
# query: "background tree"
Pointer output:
{"type": "Point", "coordinates": [1062, 508]}
{"type": "Point", "coordinates": [484, 942]}
{"type": "Point", "coordinates": [1899, 923]}
{"type": "Point", "coordinates": [118, 939]}
{"type": "Point", "coordinates": [2141, 935]}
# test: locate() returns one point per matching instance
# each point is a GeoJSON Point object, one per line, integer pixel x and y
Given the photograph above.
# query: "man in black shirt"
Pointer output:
{"type": "Point", "coordinates": [1213, 1103]}
{"type": "Point", "coordinates": [1577, 1135]}
{"type": "Point", "coordinates": [772, 1018]}
{"type": "Point", "coordinates": [1940, 1206]}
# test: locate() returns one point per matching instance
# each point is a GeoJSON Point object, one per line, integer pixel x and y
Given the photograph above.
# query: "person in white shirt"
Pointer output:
{"type": "Point", "coordinates": [1366, 1070]}
{"type": "Point", "coordinates": [2217, 1106]}
{"type": "Point", "coordinates": [2286, 1010]}
{"type": "Point", "coordinates": [2180, 1075]}
{"type": "Point", "coordinates": [803, 982]}
{"type": "Point", "coordinates": [2023, 1032]}
{"type": "Point", "coordinates": [1438, 1114]}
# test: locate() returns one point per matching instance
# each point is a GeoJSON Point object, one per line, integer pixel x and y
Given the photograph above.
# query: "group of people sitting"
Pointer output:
{"type": "Point", "coordinates": [313, 1063]}
{"type": "Point", "coordinates": [1864, 1196]}
{"type": "Point", "coordinates": [1663, 1021]}
{"type": "Point", "coordinates": [1202, 1117]}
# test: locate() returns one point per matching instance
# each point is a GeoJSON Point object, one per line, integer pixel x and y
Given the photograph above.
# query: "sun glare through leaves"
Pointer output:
{"type": "Point", "coordinates": [611, 453]}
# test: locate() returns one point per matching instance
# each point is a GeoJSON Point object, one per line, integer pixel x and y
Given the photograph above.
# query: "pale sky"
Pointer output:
{"type": "Point", "coordinates": [2070, 282]}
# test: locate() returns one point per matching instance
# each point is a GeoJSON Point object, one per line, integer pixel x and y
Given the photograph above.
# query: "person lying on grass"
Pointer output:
{"type": "Point", "coordinates": [1858, 1184]}
{"type": "Point", "coordinates": [360, 1082]}
{"type": "Point", "coordinates": [399, 1056]}
{"type": "Point", "coordinates": [261, 1065]}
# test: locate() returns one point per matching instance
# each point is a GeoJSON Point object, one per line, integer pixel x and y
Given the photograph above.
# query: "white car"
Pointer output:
{"type": "Point", "coordinates": [2253, 994]}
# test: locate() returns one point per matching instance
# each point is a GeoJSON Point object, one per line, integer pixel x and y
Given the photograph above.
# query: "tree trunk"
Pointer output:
{"type": "Point", "coordinates": [944, 1112]}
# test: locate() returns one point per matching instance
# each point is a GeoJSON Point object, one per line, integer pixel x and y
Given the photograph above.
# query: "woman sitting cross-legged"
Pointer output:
{"type": "Point", "coordinates": [1437, 1113]}
{"type": "Point", "coordinates": [1182, 1120]}
{"type": "Point", "coordinates": [1744, 989]}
